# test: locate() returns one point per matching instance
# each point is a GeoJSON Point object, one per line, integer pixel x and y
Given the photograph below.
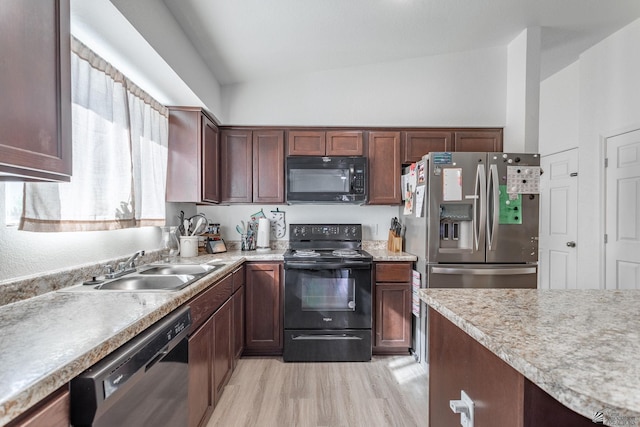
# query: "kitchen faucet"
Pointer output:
{"type": "Point", "coordinates": [126, 267]}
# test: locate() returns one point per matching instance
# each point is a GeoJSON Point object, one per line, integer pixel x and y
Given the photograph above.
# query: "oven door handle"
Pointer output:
{"type": "Point", "coordinates": [296, 265]}
{"type": "Point", "coordinates": [325, 337]}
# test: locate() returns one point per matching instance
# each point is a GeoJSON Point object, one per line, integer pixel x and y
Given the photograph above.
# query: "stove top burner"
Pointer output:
{"type": "Point", "coordinates": [347, 253]}
{"type": "Point", "coordinates": [306, 253]}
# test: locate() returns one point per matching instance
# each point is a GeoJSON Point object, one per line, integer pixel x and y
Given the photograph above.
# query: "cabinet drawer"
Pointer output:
{"type": "Point", "coordinates": [205, 304]}
{"type": "Point", "coordinates": [393, 272]}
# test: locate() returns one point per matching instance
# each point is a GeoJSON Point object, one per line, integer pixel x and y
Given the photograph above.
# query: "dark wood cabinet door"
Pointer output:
{"type": "Point", "coordinates": [236, 172]}
{"type": "Point", "coordinates": [344, 143]}
{"type": "Point", "coordinates": [268, 166]}
{"type": "Point", "coordinates": [52, 411]}
{"type": "Point", "coordinates": [210, 161]}
{"type": "Point", "coordinates": [193, 174]}
{"type": "Point", "coordinates": [480, 140]}
{"type": "Point", "coordinates": [384, 168]}
{"type": "Point", "coordinates": [306, 143]}
{"type": "Point", "coordinates": [222, 356]}
{"type": "Point", "coordinates": [416, 144]}
{"type": "Point", "coordinates": [263, 309]}
{"type": "Point", "coordinates": [200, 374]}
{"type": "Point", "coordinates": [35, 82]}
{"type": "Point", "coordinates": [238, 324]}
{"type": "Point", "coordinates": [393, 317]}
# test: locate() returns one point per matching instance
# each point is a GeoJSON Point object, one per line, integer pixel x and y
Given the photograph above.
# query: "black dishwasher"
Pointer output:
{"type": "Point", "coordinates": [143, 383]}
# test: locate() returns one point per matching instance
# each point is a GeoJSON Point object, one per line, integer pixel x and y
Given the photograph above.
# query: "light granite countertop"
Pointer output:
{"type": "Point", "coordinates": [48, 337]}
{"type": "Point", "coordinates": [580, 346]}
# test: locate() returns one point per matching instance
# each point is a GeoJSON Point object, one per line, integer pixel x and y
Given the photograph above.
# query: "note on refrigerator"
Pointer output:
{"type": "Point", "coordinates": [452, 184]}
{"type": "Point", "coordinates": [420, 191]}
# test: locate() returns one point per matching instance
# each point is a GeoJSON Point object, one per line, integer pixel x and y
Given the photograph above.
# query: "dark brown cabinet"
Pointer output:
{"type": "Point", "coordinates": [324, 143]}
{"type": "Point", "coordinates": [52, 411]}
{"type": "Point", "coordinates": [35, 107]}
{"type": "Point", "coordinates": [384, 168]}
{"type": "Point", "coordinates": [193, 167]}
{"type": "Point", "coordinates": [392, 317]}
{"type": "Point", "coordinates": [502, 396]}
{"type": "Point", "coordinates": [478, 140]}
{"type": "Point", "coordinates": [210, 349]}
{"type": "Point", "coordinates": [238, 299]}
{"type": "Point", "coordinates": [222, 351]}
{"type": "Point", "coordinates": [416, 144]}
{"type": "Point", "coordinates": [252, 169]}
{"type": "Point", "coordinates": [263, 310]}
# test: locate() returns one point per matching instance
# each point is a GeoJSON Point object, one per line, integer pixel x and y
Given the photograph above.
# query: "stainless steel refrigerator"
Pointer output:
{"type": "Point", "coordinates": [478, 226]}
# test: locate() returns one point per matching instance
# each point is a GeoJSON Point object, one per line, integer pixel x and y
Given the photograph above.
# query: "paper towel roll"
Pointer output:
{"type": "Point", "coordinates": [264, 229]}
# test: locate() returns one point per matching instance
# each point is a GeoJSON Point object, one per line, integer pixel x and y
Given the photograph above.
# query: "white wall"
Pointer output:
{"type": "Point", "coordinates": [523, 93]}
{"type": "Point", "coordinates": [464, 89]}
{"type": "Point", "coordinates": [609, 104]}
{"type": "Point", "coordinates": [559, 111]}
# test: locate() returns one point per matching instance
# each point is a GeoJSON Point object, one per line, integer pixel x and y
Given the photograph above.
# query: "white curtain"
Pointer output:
{"type": "Point", "coordinates": [120, 138]}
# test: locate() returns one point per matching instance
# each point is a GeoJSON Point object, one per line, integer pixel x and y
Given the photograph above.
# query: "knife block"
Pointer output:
{"type": "Point", "coordinates": [394, 244]}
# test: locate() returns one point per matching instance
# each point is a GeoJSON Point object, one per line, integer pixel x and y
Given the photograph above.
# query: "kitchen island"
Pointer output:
{"type": "Point", "coordinates": [543, 355]}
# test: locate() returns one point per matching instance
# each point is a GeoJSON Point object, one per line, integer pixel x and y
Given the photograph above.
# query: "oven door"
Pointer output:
{"type": "Point", "coordinates": [325, 296]}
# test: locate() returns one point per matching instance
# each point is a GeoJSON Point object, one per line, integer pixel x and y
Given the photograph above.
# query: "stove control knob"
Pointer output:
{"type": "Point", "coordinates": [295, 231]}
{"type": "Point", "coordinates": [353, 230]}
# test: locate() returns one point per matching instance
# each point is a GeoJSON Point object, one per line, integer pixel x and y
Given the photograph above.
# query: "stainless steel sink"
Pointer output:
{"type": "Point", "coordinates": [197, 269]}
{"type": "Point", "coordinates": [152, 278]}
{"type": "Point", "coordinates": [145, 283]}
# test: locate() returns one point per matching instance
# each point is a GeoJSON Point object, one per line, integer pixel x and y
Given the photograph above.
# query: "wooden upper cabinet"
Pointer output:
{"type": "Point", "coordinates": [193, 163]}
{"type": "Point", "coordinates": [35, 77]}
{"type": "Point", "coordinates": [321, 143]}
{"type": "Point", "coordinates": [252, 166]}
{"type": "Point", "coordinates": [236, 172]}
{"type": "Point", "coordinates": [306, 143]}
{"type": "Point", "coordinates": [268, 166]}
{"type": "Point", "coordinates": [384, 168]}
{"type": "Point", "coordinates": [479, 140]}
{"type": "Point", "coordinates": [344, 143]}
{"type": "Point", "coordinates": [416, 144]}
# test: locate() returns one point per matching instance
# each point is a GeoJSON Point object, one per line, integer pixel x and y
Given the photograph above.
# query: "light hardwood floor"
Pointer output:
{"type": "Point", "coordinates": [388, 391]}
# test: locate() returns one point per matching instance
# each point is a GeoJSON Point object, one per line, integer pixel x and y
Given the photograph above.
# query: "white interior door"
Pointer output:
{"type": "Point", "coordinates": [558, 220]}
{"type": "Point", "coordinates": [623, 211]}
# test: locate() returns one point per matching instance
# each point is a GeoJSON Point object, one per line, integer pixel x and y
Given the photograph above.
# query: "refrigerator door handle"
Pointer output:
{"type": "Point", "coordinates": [484, 271]}
{"type": "Point", "coordinates": [479, 214]}
{"type": "Point", "coordinates": [493, 218]}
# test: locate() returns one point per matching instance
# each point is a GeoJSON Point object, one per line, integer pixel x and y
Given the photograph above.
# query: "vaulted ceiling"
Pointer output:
{"type": "Point", "coordinates": [245, 40]}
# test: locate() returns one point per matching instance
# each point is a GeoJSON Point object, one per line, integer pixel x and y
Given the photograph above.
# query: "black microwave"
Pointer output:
{"type": "Point", "coordinates": [314, 179]}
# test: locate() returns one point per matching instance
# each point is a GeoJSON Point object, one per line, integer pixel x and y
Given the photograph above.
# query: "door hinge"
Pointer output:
{"type": "Point", "coordinates": [606, 162]}
{"type": "Point", "coordinates": [606, 238]}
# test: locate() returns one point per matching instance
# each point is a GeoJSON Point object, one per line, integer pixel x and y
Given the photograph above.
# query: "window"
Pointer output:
{"type": "Point", "coordinates": [120, 138]}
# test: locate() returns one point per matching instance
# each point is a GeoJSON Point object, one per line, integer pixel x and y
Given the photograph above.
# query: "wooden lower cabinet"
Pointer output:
{"type": "Point", "coordinates": [392, 308]}
{"type": "Point", "coordinates": [502, 396]}
{"type": "Point", "coordinates": [211, 351]}
{"type": "Point", "coordinates": [222, 354]}
{"type": "Point", "coordinates": [263, 309]}
{"type": "Point", "coordinates": [200, 375]}
{"type": "Point", "coordinates": [52, 411]}
{"type": "Point", "coordinates": [238, 299]}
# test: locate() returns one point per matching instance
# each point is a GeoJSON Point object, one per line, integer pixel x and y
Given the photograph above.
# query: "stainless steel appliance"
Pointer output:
{"type": "Point", "coordinates": [479, 223]}
{"type": "Point", "coordinates": [327, 293]}
{"type": "Point", "coordinates": [143, 383]}
{"type": "Point", "coordinates": [312, 179]}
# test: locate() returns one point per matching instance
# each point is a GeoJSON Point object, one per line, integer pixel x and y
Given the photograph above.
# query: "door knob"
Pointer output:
{"type": "Point", "coordinates": [571, 244]}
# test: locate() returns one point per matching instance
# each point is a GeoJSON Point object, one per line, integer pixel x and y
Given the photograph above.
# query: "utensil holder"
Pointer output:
{"type": "Point", "coordinates": [394, 244]}
{"type": "Point", "coordinates": [188, 246]}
